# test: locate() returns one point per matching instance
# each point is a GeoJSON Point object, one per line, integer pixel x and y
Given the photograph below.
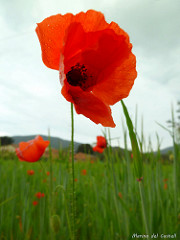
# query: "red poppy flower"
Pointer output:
{"type": "Point", "coordinates": [75, 180]}
{"type": "Point", "coordinates": [100, 145]}
{"type": "Point", "coordinates": [35, 203]}
{"type": "Point", "coordinates": [32, 150]}
{"type": "Point", "coordinates": [38, 195]}
{"type": "Point", "coordinates": [30, 172]}
{"type": "Point", "coordinates": [84, 172]}
{"type": "Point", "coordinates": [94, 59]}
{"type": "Point", "coordinates": [48, 173]}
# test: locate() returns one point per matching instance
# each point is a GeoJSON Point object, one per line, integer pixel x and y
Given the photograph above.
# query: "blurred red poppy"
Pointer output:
{"type": "Point", "coordinates": [32, 150]}
{"type": "Point", "coordinates": [35, 203]}
{"type": "Point", "coordinates": [94, 59]}
{"type": "Point", "coordinates": [75, 180]}
{"type": "Point", "coordinates": [100, 145]}
{"type": "Point", "coordinates": [84, 172]}
{"type": "Point", "coordinates": [30, 172]}
{"type": "Point", "coordinates": [38, 195]}
{"type": "Point", "coordinates": [48, 173]}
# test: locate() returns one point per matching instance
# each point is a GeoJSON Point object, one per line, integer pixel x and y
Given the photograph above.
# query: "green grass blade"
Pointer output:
{"type": "Point", "coordinates": [135, 148]}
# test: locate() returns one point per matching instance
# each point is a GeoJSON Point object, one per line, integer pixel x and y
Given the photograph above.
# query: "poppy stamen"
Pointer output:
{"type": "Point", "coordinates": [77, 76]}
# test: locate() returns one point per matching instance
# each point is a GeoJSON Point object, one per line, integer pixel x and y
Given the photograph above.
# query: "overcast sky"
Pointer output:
{"type": "Point", "coordinates": [31, 100]}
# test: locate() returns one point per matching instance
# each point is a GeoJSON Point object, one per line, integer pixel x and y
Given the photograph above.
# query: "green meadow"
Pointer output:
{"type": "Point", "coordinates": [118, 196]}
{"type": "Point", "coordinates": [107, 199]}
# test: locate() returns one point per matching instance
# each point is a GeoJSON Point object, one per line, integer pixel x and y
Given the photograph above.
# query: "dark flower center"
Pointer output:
{"type": "Point", "coordinates": [78, 76]}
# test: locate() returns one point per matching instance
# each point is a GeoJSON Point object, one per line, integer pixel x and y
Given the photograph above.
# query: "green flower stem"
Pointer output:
{"type": "Point", "coordinates": [50, 187]}
{"type": "Point", "coordinates": [73, 174]}
{"type": "Point", "coordinates": [175, 165]}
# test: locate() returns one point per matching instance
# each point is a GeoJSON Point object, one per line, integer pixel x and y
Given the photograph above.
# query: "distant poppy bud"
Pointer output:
{"type": "Point", "coordinates": [48, 173]}
{"type": "Point", "coordinates": [75, 180]}
{"type": "Point", "coordinates": [100, 145]}
{"type": "Point", "coordinates": [120, 194]}
{"type": "Point", "coordinates": [140, 179]}
{"type": "Point", "coordinates": [32, 150]}
{"type": "Point", "coordinates": [96, 65]}
{"type": "Point", "coordinates": [165, 186]}
{"type": "Point", "coordinates": [30, 172]}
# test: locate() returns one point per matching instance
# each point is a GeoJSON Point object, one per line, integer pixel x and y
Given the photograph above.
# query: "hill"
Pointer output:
{"type": "Point", "coordinates": [57, 143]}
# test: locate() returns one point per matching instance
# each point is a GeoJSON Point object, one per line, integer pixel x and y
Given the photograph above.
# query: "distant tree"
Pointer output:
{"type": "Point", "coordinates": [85, 148]}
{"type": "Point", "coordinates": [6, 141]}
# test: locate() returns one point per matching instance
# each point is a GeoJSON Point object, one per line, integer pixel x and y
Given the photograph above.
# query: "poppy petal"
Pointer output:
{"type": "Point", "coordinates": [98, 149]}
{"type": "Point", "coordinates": [75, 41]}
{"type": "Point", "coordinates": [41, 143]}
{"type": "Point", "coordinates": [29, 154]}
{"type": "Point", "coordinates": [91, 20]}
{"type": "Point", "coordinates": [38, 137]}
{"type": "Point", "coordinates": [89, 105]}
{"type": "Point", "coordinates": [116, 84]}
{"type": "Point", "coordinates": [119, 31]}
{"type": "Point", "coordinates": [111, 49]}
{"type": "Point", "coordinates": [25, 145]}
{"type": "Point", "coordinates": [96, 50]}
{"type": "Point", "coordinates": [101, 142]}
{"type": "Point", "coordinates": [51, 32]}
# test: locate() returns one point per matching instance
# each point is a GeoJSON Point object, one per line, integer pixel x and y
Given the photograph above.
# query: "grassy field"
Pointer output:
{"type": "Point", "coordinates": [118, 196]}
{"type": "Point", "coordinates": [108, 199]}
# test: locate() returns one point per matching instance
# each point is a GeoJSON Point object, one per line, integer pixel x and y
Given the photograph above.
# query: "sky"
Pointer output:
{"type": "Point", "coordinates": [31, 100]}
